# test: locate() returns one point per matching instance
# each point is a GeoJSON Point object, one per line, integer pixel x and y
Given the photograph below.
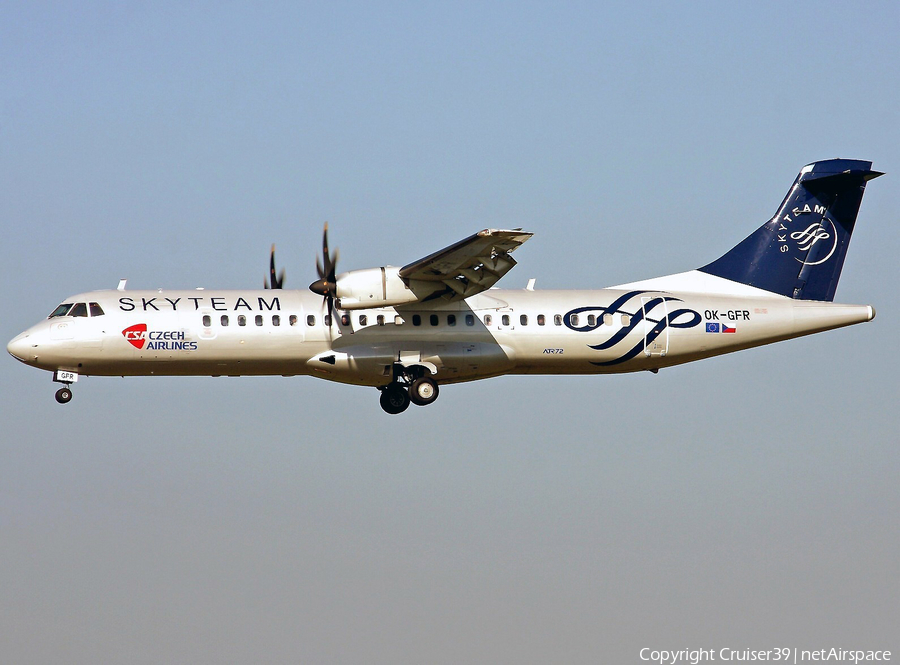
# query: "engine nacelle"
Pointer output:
{"type": "Point", "coordinates": [372, 287]}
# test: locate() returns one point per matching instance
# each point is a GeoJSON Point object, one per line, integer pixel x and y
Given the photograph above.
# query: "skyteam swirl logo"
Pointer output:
{"type": "Point", "coordinates": [808, 237]}
{"type": "Point", "coordinates": [653, 311]}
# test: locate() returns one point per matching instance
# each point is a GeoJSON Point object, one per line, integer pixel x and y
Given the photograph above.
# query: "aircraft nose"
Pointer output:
{"type": "Point", "coordinates": [19, 347]}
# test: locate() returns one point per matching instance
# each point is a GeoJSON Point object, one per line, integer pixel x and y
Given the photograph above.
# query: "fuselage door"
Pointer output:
{"type": "Point", "coordinates": [656, 342]}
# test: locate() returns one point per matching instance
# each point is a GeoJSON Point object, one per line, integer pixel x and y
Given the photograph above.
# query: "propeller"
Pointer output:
{"type": "Point", "coordinates": [326, 285]}
{"type": "Point", "coordinates": [277, 279]}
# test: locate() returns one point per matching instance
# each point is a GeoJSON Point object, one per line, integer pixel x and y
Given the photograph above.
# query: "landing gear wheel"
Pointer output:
{"type": "Point", "coordinates": [394, 399]}
{"type": "Point", "coordinates": [63, 395]}
{"type": "Point", "coordinates": [423, 391]}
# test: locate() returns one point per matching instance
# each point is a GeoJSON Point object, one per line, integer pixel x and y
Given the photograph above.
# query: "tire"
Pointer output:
{"type": "Point", "coordinates": [63, 395]}
{"type": "Point", "coordinates": [394, 399]}
{"type": "Point", "coordinates": [423, 391]}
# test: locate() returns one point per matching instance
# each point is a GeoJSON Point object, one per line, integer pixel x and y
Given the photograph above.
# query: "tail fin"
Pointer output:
{"type": "Point", "coordinates": [799, 253]}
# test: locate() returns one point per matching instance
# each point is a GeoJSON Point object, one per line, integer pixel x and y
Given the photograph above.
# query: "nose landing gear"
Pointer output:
{"type": "Point", "coordinates": [67, 378]}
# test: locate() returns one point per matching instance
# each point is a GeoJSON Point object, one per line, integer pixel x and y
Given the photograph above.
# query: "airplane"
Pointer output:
{"type": "Point", "coordinates": [440, 320]}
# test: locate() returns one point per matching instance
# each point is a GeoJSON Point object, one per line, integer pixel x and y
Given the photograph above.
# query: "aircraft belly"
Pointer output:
{"type": "Point", "coordinates": [191, 367]}
{"type": "Point", "coordinates": [373, 365]}
{"type": "Point", "coordinates": [459, 362]}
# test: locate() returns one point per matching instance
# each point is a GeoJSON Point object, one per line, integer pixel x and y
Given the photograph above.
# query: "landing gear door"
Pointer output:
{"type": "Point", "coordinates": [655, 311]}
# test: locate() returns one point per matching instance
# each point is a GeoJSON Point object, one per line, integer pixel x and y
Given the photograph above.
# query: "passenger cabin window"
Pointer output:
{"type": "Point", "coordinates": [242, 320]}
{"type": "Point", "coordinates": [207, 322]}
{"type": "Point", "coordinates": [310, 320]}
{"type": "Point", "coordinates": [417, 320]}
{"type": "Point", "coordinates": [292, 319]}
{"type": "Point", "coordinates": [363, 320]}
{"type": "Point", "coordinates": [96, 310]}
{"type": "Point", "coordinates": [470, 319]}
{"type": "Point", "coordinates": [62, 310]}
{"type": "Point", "coordinates": [523, 319]}
{"type": "Point", "coordinates": [487, 319]}
{"type": "Point", "coordinates": [505, 319]}
{"type": "Point", "coordinates": [626, 320]}
{"type": "Point", "coordinates": [327, 320]}
{"type": "Point", "coordinates": [398, 320]}
{"type": "Point", "coordinates": [573, 319]}
{"type": "Point", "coordinates": [607, 319]}
{"type": "Point", "coordinates": [592, 320]}
{"type": "Point", "coordinates": [258, 319]}
{"type": "Point", "coordinates": [541, 319]}
{"type": "Point", "coordinates": [78, 309]}
{"type": "Point", "coordinates": [345, 320]}
{"type": "Point", "coordinates": [451, 319]}
{"type": "Point", "coordinates": [224, 320]}
{"type": "Point", "coordinates": [380, 319]}
{"type": "Point", "coordinates": [276, 320]}
{"type": "Point", "coordinates": [433, 319]}
{"type": "Point", "coordinates": [557, 319]}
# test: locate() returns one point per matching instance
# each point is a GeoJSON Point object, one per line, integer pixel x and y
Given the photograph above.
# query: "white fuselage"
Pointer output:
{"type": "Point", "coordinates": [439, 320]}
{"type": "Point", "coordinates": [283, 332]}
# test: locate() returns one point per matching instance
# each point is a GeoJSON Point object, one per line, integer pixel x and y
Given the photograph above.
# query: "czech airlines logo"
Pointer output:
{"type": "Point", "coordinates": [157, 340]}
{"type": "Point", "coordinates": [136, 335]}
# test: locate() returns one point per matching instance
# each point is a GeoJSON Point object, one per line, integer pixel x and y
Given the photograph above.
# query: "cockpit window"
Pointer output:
{"type": "Point", "coordinates": [62, 310]}
{"type": "Point", "coordinates": [79, 309]}
{"type": "Point", "coordinates": [96, 310]}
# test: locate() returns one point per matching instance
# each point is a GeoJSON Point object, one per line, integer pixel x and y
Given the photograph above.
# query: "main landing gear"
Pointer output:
{"type": "Point", "coordinates": [408, 386]}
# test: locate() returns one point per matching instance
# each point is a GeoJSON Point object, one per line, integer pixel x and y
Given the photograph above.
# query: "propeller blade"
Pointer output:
{"type": "Point", "coordinates": [327, 318]}
{"type": "Point", "coordinates": [326, 285]}
{"type": "Point", "coordinates": [326, 257]}
{"type": "Point", "coordinates": [276, 277]}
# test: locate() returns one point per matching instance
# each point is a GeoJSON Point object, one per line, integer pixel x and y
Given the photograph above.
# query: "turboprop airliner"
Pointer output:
{"type": "Point", "coordinates": [440, 320]}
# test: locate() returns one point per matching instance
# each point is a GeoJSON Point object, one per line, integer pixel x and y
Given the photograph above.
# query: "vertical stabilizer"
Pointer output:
{"type": "Point", "coordinates": [799, 253]}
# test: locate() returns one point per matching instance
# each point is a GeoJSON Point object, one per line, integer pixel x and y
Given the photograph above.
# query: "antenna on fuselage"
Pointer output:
{"type": "Point", "coordinates": [121, 286]}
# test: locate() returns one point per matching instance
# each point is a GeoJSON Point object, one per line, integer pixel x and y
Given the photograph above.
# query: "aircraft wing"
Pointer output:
{"type": "Point", "coordinates": [464, 268]}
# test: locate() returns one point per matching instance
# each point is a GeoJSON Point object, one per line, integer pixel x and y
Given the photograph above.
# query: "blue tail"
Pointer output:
{"type": "Point", "coordinates": [799, 253]}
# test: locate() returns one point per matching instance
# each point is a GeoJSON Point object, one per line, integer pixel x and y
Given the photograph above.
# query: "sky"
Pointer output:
{"type": "Point", "coordinates": [748, 501]}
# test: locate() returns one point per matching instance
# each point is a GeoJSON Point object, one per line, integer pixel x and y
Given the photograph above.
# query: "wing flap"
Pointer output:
{"type": "Point", "coordinates": [465, 268]}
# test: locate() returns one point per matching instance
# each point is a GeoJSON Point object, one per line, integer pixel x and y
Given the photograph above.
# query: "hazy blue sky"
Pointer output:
{"type": "Point", "coordinates": [748, 501]}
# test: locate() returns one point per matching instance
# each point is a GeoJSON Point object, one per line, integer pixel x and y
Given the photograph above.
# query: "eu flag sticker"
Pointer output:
{"type": "Point", "coordinates": [712, 327]}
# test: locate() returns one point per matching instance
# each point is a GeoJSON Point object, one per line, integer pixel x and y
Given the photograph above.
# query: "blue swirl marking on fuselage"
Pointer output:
{"type": "Point", "coordinates": [674, 319]}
